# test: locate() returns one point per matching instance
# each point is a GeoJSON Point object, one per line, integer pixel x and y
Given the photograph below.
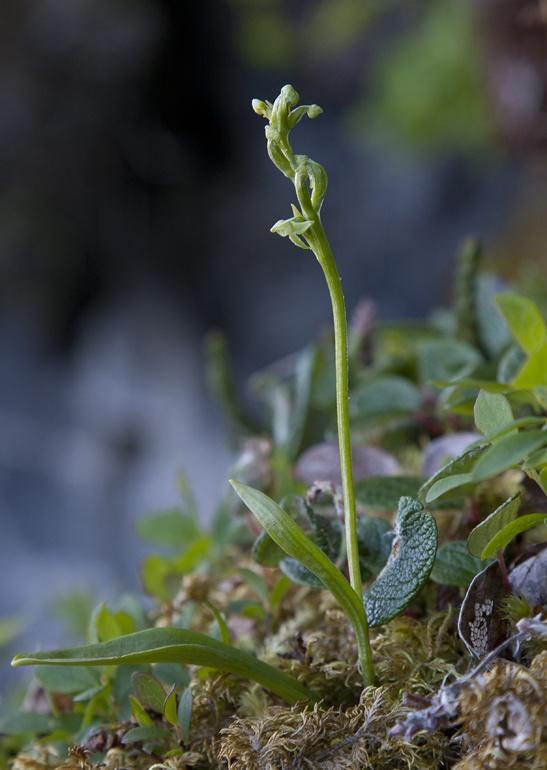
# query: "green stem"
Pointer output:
{"type": "Point", "coordinates": [322, 250]}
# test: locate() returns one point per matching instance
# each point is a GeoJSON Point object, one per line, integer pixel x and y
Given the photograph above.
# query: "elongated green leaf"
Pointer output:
{"type": "Point", "coordinates": [507, 452]}
{"type": "Point", "coordinates": [173, 645]}
{"type": "Point", "coordinates": [412, 556]}
{"type": "Point", "coordinates": [524, 320]}
{"type": "Point", "coordinates": [288, 535]}
{"type": "Point", "coordinates": [502, 538]}
{"type": "Point", "coordinates": [454, 565]}
{"type": "Point", "coordinates": [492, 412]}
{"type": "Point", "coordinates": [482, 534]}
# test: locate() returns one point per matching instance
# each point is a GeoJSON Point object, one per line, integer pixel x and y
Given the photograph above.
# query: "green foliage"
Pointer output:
{"type": "Point", "coordinates": [492, 412]}
{"type": "Point", "coordinates": [164, 681]}
{"type": "Point", "coordinates": [412, 556]}
{"type": "Point", "coordinates": [454, 565]}
{"type": "Point", "coordinates": [288, 536]}
{"type": "Point", "coordinates": [480, 538]}
{"type": "Point", "coordinates": [172, 645]}
{"type": "Point", "coordinates": [384, 398]}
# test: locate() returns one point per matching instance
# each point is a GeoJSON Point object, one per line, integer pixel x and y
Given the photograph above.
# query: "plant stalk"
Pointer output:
{"type": "Point", "coordinates": [323, 252]}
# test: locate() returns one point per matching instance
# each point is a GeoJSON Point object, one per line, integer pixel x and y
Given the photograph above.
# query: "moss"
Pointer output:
{"type": "Point", "coordinates": [415, 655]}
{"type": "Point", "coordinates": [328, 739]}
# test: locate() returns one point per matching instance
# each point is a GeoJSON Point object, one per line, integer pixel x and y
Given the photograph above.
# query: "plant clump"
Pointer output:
{"type": "Point", "coordinates": [370, 593]}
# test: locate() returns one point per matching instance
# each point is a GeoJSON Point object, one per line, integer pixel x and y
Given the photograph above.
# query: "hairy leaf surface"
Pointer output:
{"type": "Point", "coordinates": [410, 562]}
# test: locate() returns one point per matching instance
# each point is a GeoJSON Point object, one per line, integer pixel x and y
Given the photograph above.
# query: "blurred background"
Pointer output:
{"type": "Point", "coordinates": [135, 204]}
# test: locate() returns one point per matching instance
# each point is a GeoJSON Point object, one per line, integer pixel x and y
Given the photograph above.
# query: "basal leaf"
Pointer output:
{"type": "Point", "coordinates": [288, 535]}
{"type": "Point", "coordinates": [454, 565]}
{"type": "Point", "coordinates": [173, 645]}
{"type": "Point", "coordinates": [502, 538]}
{"type": "Point", "coordinates": [412, 556]}
{"type": "Point", "coordinates": [524, 320]}
{"type": "Point", "coordinates": [481, 536]}
{"type": "Point", "coordinates": [492, 412]}
{"type": "Point", "coordinates": [508, 451]}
